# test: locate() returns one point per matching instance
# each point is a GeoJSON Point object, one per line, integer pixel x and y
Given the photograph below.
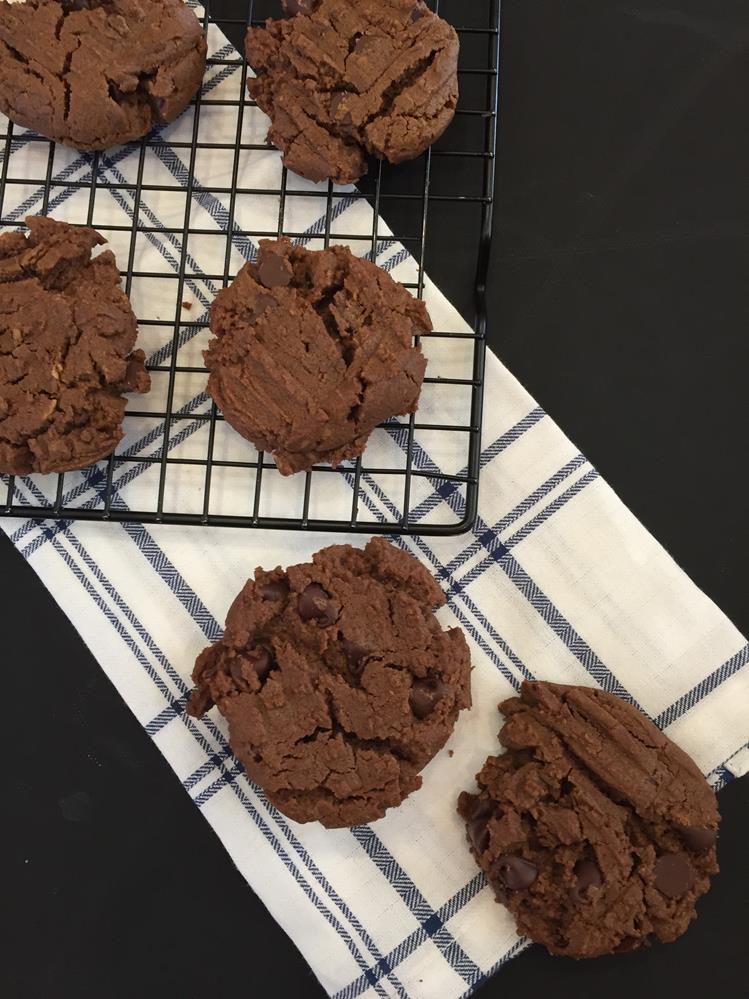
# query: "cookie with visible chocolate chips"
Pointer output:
{"type": "Point", "coordinates": [341, 79]}
{"type": "Point", "coordinates": [337, 681]}
{"type": "Point", "coordinates": [594, 829]}
{"type": "Point", "coordinates": [312, 350]}
{"type": "Point", "coordinates": [67, 333]}
{"type": "Point", "coordinates": [95, 73]}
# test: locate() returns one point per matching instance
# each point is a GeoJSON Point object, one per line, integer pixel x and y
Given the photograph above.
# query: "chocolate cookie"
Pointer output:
{"type": "Point", "coordinates": [338, 683]}
{"type": "Point", "coordinates": [66, 349]}
{"type": "Point", "coordinates": [313, 349]}
{"type": "Point", "coordinates": [595, 830]}
{"type": "Point", "coordinates": [94, 73]}
{"type": "Point", "coordinates": [343, 78]}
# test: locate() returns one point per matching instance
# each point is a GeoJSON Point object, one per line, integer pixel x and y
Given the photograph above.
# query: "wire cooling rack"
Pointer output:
{"type": "Point", "coordinates": [183, 209]}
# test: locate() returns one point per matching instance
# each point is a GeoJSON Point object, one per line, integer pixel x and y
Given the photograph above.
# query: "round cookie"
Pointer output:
{"type": "Point", "coordinates": [313, 350]}
{"type": "Point", "coordinates": [343, 78]}
{"type": "Point", "coordinates": [338, 683]}
{"type": "Point", "coordinates": [594, 829]}
{"type": "Point", "coordinates": [95, 73]}
{"type": "Point", "coordinates": [67, 333]}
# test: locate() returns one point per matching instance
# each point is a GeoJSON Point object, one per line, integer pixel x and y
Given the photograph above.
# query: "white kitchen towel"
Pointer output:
{"type": "Point", "coordinates": [557, 580]}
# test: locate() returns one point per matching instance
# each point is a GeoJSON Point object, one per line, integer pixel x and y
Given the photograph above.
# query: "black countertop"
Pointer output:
{"type": "Point", "coordinates": [618, 296]}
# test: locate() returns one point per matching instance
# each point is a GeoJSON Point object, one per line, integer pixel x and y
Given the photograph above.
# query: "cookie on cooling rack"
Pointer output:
{"type": "Point", "coordinates": [337, 681]}
{"type": "Point", "coordinates": [594, 829]}
{"type": "Point", "coordinates": [343, 78]}
{"type": "Point", "coordinates": [312, 350]}
{"type": "Point", "coordinates": [95, 73]}
{"type": "Point", "coordinates": [67, 333]}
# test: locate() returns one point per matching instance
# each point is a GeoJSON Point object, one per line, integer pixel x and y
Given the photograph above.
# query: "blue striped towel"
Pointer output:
{"type": "Point", "coordinates": [557, 580]}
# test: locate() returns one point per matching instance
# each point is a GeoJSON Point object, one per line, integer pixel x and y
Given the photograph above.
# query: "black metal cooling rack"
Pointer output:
{"type": "Point", "coordinates": [420, 475]}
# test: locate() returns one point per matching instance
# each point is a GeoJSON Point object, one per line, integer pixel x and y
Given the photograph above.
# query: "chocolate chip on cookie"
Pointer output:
{"type": "Point", "coordinates": [343, 78]}
{"type": "Point", "coordinates": [321, 675]}
{"type": "Point", "coordinates": [594, 829]}
{"type": "Point", "coordinates": [95, 73]}
{"type": "Point", "coordinates": [67, 333]}
{"type": "Point", "coordinates": [313, 350]}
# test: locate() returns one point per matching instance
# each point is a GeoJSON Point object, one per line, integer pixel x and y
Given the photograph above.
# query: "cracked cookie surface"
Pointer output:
{"type": "Point", "coordinates": [337, 681]}
{"type": "Point", "coordinates": [313, 349]}
{"type": "Point", "coordinates": [343, 78]}
{"type": "Point", "coordinates": [67, 333]}
{"type": "Point", "coordinates": [95, 73]}
{"type": "Point", "coordinates": [594, 829]}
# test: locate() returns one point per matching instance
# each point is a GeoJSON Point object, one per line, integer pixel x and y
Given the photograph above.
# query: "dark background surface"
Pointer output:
{"type": "Point", "coordinates": [618, 296]}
